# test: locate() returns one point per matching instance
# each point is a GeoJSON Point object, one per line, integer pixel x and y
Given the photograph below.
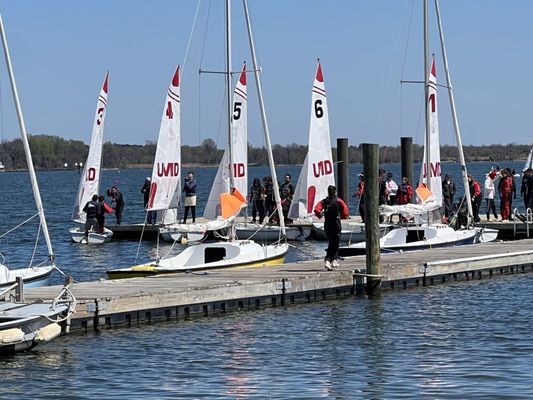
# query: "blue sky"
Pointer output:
{"type": "Point", "coordinates": [62, 49]}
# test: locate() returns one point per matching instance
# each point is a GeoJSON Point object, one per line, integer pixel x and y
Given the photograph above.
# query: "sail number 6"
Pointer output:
{"type": "Point", "coordinates": [319, 111]}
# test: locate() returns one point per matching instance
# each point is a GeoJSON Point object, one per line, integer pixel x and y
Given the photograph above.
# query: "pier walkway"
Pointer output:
{"type": "Point", "coordinates": [125, 302]}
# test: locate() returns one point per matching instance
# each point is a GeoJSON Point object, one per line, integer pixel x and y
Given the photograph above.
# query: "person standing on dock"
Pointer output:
{"type": "Point", "coordinates": [286, 193]}
{"type": "Point", "coordinates": [257, 194]}
{"type": "Point", "coordinates": [360, 194]}
{"type": "Point", "coordinates": [333, 209]}
{"type": "Point", "coordinates": [488, 195]}
{"type": "Point", "coordinates": [118, 200]}
{"type": "Point", "coordinates": [189, 188]}
{"type": "Point", "coordinates": [145, 190]}
{"type": "Point", "coordinates": [448, 192]}
{"type": "Point", "coordinates": [269, 196]}
{"type": "Point", "coordinates": [475, 192]}
{"type": "Point", "coordinates": [505, 187]}
{"type": "Point", "coordinates": [392, 189]}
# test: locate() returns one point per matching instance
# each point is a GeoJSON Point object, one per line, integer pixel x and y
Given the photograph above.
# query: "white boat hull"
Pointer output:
{"type": "Point", "coordinates": [78, 236]}
{"type": "Point", "coordinates": [422, 237]}
{"type": "Point", "coordinates": [23, 326]}
{"type": "Point", "coordinates": [205, 256]}
{"type": "Point", "coordinates": [32, 277]}
{"type": "Point", "coordinates": [270, 233]}
{"type": "Point", "coordinates": [352, 232]}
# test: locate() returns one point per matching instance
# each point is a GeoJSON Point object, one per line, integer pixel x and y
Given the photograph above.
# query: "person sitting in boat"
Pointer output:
{"type": "Point", "coordinates": [333, 209]}
{"type": "Point", "coordinates": [360, 193]}
{"type": "Point", "coordinates": [100, 217]}
{"type": "Point", "coordinates": [92, 208]}
{"type": "Point", "coordinates": [189, 188]}
{"type": "Point", "coordinates": [405, 193]}
{"type": "Point", "coordinates": [257, 194]}
{"type": "Point", "coordinates": [286, 191]}
{"type": "Point", "coordinates": [118, 200]}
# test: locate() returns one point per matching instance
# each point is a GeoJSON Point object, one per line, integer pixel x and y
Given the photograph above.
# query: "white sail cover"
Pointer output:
{"type": "Point", "coordinates": [317, 171]}
{"type": "Point", "coordinates": [239, 153]}
{"type": "Point", "coordinates": [435, 182]}
{"type": "Point", "coordinates": [409, 210]}
{"type": "Point", "coordinates": [90, 179]}
{"type": "Point", "coordinates": [165, 187]}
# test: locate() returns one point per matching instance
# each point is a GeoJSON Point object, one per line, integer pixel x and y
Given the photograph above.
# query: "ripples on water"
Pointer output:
{"type": "Point", "coordinates": [458, 340]}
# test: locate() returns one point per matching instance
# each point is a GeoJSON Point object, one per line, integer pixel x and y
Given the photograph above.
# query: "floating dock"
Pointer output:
{"type": "Point", "coordinates": [127, 302]}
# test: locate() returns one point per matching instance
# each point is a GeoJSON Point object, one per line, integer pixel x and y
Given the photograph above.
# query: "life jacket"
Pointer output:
{"type": "Point", "coordinates": [332, 213]}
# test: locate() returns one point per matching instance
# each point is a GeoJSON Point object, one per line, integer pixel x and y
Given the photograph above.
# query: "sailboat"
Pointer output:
{"type": "Point", "coordinates": [233, 252]}
{"type": "Point", "coordinates": [90, 178]}
{"type": "Point", "coordinates": [529, 161]}
{"type": "Point", "coordinates": [428, 234]}
{"type": "Point", "coordinates": [24, 325]}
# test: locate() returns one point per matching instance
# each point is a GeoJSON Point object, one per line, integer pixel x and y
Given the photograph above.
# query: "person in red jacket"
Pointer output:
{"type": "Point", "coordinates": [404, 194]}
{"type": "Point", "coordinates": [475, 193]}
{"type": "Point", "coordinates": [360, 193]}
{"type": "Point", "coordinates": [333, 209]}
{"type": "Point", "coordinates": [506, 194]}
{"type": "Point", "coordinates": [100, 217]}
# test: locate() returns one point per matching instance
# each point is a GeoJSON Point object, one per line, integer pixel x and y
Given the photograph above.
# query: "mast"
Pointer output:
{"type": "Point", "coordinates": [454, 117]}
{"type": "Point", "coordinates": [24, 135]}
{"type": "Point", "coordinates": [264, 121]}
{"type": "Point", "coordinates": [427, 167]}
{"type": "Point", "coordinates": [228, 86]}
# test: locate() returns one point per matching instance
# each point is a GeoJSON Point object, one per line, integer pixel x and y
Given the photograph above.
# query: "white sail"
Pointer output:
{"type": "Point", "coordinates": [317, 171]}
{"type": "Point", "coordinates": [90, 179]}
{"type": "Point", "coordinates": [239, 153]}
{"type": "Point", "coordinates": [529, 160]}
{"type": "Point", "coordinates": [165, 187]}
{"type": "Point", "coordinates": [435, 182]}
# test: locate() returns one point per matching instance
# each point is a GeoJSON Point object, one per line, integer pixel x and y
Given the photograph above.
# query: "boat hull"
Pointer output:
{"type": "Point", "coordinates": [23, 326]}
{"type": "Point", "coordinates": [208, 256]}
{"type": "Point", "coordinates": [433, 236]}
{"type": "Point", "coordinates": [352, 232]}
{"type": "Point", "coordinates": [78, 236]}
{"type": "Point", "coordinates": [32, 277]}
{"type": "Point", "coordinates": [270, 233]}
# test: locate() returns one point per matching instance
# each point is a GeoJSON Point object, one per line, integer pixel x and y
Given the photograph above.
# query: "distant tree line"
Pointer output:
{"type": "Point", "coordinates": [52, 152]}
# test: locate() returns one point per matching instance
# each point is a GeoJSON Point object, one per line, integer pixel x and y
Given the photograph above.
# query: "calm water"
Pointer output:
{"type": "Point", "coordinates": [460, 340]}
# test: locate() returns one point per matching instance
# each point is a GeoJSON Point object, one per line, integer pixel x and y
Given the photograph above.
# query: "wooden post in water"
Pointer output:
{"type": "Point", "coordinates": [371, 193]}
{"type": "Point", "coordinates": [406, 146]}
{"type": "Point", "coordinates": [342, 169]}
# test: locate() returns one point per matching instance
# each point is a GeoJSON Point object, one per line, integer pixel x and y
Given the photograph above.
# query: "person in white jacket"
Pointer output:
{"type": "Point", "coordinates": [488, 195]}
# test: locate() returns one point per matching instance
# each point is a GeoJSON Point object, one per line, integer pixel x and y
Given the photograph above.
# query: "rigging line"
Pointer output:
{"type": "Point", "coordinates": [36, 243]}
{"type": "Point", "coordinates": [405, 59]}
{"type": "Point", "coordinates": [190, 35]}
{"type": "Point", "coordinates": [388, 80]}
{"type": "Point", "coordinates": [142, 233]}
{"type": "Point", "coordinates": [19, 225]}
{"type": "Point", "coordinates": [204, 39]}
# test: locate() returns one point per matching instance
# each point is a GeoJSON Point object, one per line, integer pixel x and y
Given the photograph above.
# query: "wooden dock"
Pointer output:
{"type": "Point", "coordinates": [134, 232]}
{"type": "Point", "coordinates": [126, 302]}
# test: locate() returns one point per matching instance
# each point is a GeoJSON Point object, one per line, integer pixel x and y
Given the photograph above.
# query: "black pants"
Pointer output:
{"type": "Point", "coordinates": [448, 206]}
{"type": "Point", "coordinates": [491, 206]}
{"type": "Point", "coordinates": [186, 214]}
{"type": "Point", "coordinates": [334, 238]}
{"type": "Point", "coordinates": [118, 213]}
{"type": "Point", "coordinates": [258, 208]}
{"type": "Point", "coordinates": [476, 205]}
